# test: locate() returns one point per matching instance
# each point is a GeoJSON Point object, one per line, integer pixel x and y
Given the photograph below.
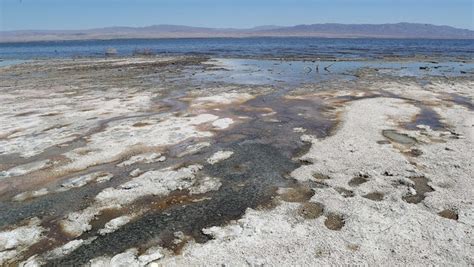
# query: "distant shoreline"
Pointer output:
{"type": "Point", "coordinates": [224, 37]}
{"type": "Point", "coordinates": [339, 31]}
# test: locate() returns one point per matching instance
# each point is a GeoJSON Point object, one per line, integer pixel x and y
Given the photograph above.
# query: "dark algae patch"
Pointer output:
{"type": "Point", "coordinates": [252, 188]}
{"type": "Point", "coordinates": [358, 180]}
{"type": "Point", "coordinates": [449, 214]}
{"type": "Point", "coordinates": [375, 196]}
{"type": "Point", "coordinates": [334, 222]}
{"type": "Point", "coordinates": [311, 210]}
{"type": "Point", "coordinates": [297, 194]}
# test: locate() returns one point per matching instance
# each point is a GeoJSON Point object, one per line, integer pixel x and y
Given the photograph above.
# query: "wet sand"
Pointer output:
{"type": "Point", "coordinates": [197, 161]}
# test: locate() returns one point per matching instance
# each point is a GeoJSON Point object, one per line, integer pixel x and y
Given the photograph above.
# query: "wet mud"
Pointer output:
{"type": "Point", "coordinates": [421, 187]}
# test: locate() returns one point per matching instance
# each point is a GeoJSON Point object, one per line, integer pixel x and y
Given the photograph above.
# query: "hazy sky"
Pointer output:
{"type": "Point", "coordinates": [82, 14]}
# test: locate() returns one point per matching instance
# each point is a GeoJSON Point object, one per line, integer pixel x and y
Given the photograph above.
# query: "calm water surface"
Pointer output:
{"type": "Point", "coordinates": [294, 47]}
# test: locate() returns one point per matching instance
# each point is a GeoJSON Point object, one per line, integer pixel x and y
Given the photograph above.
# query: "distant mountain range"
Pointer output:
{"type": "Point", "coordinates": [328, 30]}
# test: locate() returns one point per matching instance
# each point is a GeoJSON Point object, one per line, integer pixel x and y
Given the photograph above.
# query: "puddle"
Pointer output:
{"type": "Point", "coordinates": [428, 117]}
{"type": "Point", "coordinates": [421, 187]}
{"type": "Point", "coordinates": [400, 138]}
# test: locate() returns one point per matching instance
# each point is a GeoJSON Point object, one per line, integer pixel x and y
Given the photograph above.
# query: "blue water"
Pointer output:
{"type": "Point", "coordinates": [246, 47]}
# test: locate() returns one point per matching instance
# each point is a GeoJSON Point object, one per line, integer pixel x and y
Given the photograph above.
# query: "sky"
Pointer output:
{"type": "Point", "coordinates": [85, 14]}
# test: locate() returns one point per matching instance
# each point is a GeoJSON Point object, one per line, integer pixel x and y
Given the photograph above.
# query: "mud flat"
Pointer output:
{"type": "Point", "coordinates": [140, 161]}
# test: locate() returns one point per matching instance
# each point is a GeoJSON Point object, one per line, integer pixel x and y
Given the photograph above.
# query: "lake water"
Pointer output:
{"type": "Point", "coordinates": [294, 47]}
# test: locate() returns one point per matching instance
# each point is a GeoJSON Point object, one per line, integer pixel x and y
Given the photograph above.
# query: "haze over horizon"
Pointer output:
{"type": "Point", "coordinates": [88, 14]}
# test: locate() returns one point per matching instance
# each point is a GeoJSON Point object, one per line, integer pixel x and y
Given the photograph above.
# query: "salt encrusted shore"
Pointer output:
{"type": "Point", "coordinates": [126, 161]}
{"type": "Point", "coordinates": [379, 226]}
